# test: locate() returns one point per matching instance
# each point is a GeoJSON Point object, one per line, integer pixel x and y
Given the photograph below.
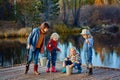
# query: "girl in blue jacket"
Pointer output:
{"type": "Point", "coordinates": [35, 44]}
{"type": "Point", "coordinates": [87, 49]}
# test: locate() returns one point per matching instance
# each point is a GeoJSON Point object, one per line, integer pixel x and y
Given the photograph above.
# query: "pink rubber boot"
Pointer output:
{"type": "Point", "coordinates": [53, 69]}
{"type": "Point", "coordinates": [47, 70]}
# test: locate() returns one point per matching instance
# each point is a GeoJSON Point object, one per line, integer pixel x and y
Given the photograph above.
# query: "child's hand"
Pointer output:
{"type": "Point", "coordinates": [77, 62]}
{"type": "Point", "coordinates": [87, 41]}
{"type": "Point", "coordinates": [71, 66]}
{"type": "Point", "coordinates": [58, 50]}
{"type": "Point", "coordinates": [66, 59]}
{"type": "Point", "coordinates": [28, 46]}
{"type": "Point", "coordinates": [49, 45]}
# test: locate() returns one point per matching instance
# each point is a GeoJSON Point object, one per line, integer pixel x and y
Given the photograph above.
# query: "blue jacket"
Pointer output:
{"type": "Point", "coordinates": [33, 38]}
{"type": "Point", "coordinates": [88, 46]}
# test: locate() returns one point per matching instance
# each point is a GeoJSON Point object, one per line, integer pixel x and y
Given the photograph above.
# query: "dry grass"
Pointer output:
{"type": "Point", "coordinates": [22, 32]}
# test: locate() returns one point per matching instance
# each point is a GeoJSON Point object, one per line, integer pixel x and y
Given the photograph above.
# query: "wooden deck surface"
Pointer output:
{"type": "Point", "coordinates": [17, 73]}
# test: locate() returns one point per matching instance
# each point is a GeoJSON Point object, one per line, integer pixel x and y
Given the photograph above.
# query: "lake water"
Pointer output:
{"type": "Point", "coordinates": [105, 53]}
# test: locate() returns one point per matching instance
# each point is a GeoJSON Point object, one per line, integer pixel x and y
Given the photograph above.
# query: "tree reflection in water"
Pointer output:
{"type": "Point", "coordinates": [13, 51]}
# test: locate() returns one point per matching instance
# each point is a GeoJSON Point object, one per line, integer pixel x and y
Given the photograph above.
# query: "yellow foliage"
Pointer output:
{"type": "Point", "coordinates": [98, 2]}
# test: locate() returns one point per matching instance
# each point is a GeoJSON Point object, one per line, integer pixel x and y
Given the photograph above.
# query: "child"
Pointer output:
{"type": "Point", "coordinates": [52, 48]}
{"type": "Point", "coordinates": [73, 60]}
{"type": "Point", "coordinates": [87, 48]}
{"type": "Point", "coordinates": [35, 44]}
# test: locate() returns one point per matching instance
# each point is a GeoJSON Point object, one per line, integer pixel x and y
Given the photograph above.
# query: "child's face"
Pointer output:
{"type": "Point", "coordinates": [85, 36]}
{"type": "Point", "coordinates": [73, 51]}
{"type": "Point", "coordinates": [44, 30]}
{"type": "Point", "coordinates": [55, 38]}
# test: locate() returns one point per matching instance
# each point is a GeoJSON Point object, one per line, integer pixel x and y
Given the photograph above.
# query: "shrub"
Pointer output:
{"type": "Point", "coordinates": [94, 15]}
{"type": "Point", "coordinates": [24, 31]}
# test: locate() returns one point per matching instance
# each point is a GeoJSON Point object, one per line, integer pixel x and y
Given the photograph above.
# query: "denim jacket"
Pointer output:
{"type": "Point", "coordinates": [88, 46]}
{"type": "Point", "coordinates": [33, 38]}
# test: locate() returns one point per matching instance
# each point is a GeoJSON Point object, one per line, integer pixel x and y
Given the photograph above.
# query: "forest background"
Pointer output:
{"type": "Point", "coordinates": [18, 17]}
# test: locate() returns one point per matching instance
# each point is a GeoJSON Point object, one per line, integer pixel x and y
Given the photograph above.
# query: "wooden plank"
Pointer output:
{"type": "Point", "coordinates": [17, 73]}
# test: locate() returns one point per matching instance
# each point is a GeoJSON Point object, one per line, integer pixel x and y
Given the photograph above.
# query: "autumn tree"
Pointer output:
{"type": "Point", "coordinates": [71, 10]}
{"type": "Point", "coordinates": [107, 2]}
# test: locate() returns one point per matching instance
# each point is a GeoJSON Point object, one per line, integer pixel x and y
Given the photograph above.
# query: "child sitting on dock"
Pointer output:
{"type": "Point", "coordinates": [52, 48]}
{"type": "Point", "coordinates": [73, 60]}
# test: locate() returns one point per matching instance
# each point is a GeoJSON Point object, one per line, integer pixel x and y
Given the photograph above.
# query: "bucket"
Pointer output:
{"type": "Point", "coordinates": [43, 61]}
{"type": "Point", "coordinates": [68, 70]}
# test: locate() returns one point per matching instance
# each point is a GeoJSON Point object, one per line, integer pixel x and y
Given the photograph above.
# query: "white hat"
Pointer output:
{"type": "Point", "coordinates": [85, 31]}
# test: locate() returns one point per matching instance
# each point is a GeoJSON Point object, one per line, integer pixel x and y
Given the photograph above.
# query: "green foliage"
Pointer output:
{"type": "Point", "coordinates": [88, 2]}
{"type": "Point", "coordinates": [32, 12]}
{"type": "Point", "coordinates": [50, 9]}
{"type": "Point", "coordinates": [60, 28]}
{"type": "Point", "coordinates": [28, 12]}
{"type": "Point", "coordinates": [6, 10]}
{"type": "Point", "coordinates": [55, 8]}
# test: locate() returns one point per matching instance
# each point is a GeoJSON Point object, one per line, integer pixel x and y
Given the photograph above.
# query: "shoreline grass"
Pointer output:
{"type": "Point", "coordinates": [13, 33]}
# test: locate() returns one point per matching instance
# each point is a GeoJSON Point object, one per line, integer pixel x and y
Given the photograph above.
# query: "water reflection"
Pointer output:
{"type": "Point", "coordinates": [102, 58]}
{"type": "Point", "coordinates": [13, 51]}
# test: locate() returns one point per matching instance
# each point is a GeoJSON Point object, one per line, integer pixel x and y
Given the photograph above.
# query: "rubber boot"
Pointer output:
{"type": "Point", "coordinates": [90, 71]}
{"type": "Point", "coordinates": [53, 69]}
{"type": "Point", "coordinates": [35, 70]}
{"type": "Point", "coordinates": [87, 70]}
{"type": "Point", "coordinates": [27, 68]}
{"type": "Point", "coordinates": [63, 70]}
{"type": "Point", "coordinates": [79, 70]}
{"type": "Point", "coordinates": [47, 70]}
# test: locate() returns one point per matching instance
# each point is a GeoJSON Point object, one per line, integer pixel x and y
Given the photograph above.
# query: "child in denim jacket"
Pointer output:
{"type": "Point", "coordinates": [52, 48]}
{"type": "Point", "coordinates": [87, 49]}
{"type": "Point", "coordinates": [73, 60]}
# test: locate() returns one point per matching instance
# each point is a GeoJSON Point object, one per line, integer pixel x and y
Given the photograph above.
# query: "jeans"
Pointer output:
{"type": "Point", "coordinates": [88, 57]}
{"type": "Point", "coordinates": [76, 65]}
{"type": "Point", "coordinates": [33, 54]}
{"type": "Point", "coordinates": [52, 58]}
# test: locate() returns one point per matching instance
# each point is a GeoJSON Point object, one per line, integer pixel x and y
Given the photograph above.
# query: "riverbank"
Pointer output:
{"type": "Point", "coordinates": [14, 33]}
{"type": "Point", "coordinates": [17, 73]}
{"type": "Point", "coordinates": [12, 29]}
